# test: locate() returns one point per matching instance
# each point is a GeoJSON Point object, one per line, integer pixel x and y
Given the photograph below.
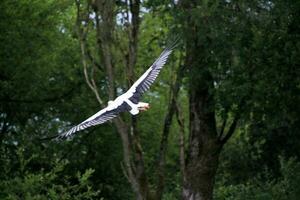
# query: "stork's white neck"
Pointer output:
{"type": "Point", "coordinates": [134, 107]}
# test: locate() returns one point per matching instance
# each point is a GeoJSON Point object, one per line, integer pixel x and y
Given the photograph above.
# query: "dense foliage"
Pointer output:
{"type": "Point", "coordinates": [251, 48]}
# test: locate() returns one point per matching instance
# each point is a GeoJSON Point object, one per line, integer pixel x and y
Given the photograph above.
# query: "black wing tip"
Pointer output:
{"type": "Point", "coordinates": [62, 137]}
{"type": "Point", "coordinates": [55, 138]}
{"type": "Point", "coordinates": [171, 45]}
{"type": "Point", "coordinates": [173, 42]}
{"type": "Point", "coordinates": [50, 138]}
{"type": "Point", "coordinates": [67, 135]}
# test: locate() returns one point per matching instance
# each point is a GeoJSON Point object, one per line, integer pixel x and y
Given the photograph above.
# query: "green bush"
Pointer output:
{"type": "Point", "coordinates": [264, 187]}
{"type": "Point", "coordinates": [42, 184]}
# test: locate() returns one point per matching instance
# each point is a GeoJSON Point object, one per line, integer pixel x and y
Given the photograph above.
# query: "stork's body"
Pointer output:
{"type": "Point", "coordinates": [135, 108]}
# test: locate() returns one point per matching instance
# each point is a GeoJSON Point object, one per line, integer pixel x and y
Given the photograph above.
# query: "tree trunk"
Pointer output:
{"type": "Point", "coordinates": [133, 161]}
{"type": "Point", "coordinates": [204, 145]}
{"type": "Point", "coordinates": [203, 155]}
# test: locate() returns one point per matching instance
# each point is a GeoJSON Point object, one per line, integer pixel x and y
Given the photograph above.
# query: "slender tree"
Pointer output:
{"type": "Point", "coordinates": [105, 24]}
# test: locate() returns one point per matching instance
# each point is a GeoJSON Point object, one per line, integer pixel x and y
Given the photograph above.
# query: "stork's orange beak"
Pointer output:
{"type": "Point", "coordinates": [144, 108]}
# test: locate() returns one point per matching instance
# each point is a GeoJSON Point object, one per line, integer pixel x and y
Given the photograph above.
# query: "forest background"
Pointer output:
{"type": "Point", "coordinates": [224, 119]}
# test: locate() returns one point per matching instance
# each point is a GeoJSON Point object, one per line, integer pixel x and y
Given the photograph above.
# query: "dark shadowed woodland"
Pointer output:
{"type": "Point", "coordinates": [224, 120]}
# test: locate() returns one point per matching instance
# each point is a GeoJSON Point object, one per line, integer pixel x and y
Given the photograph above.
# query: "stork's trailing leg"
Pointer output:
{"type": "Point", "coordinates": [143, 106]}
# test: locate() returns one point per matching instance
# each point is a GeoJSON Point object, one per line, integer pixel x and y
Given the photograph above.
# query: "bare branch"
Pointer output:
{"type": "Point", "coordinates": [223, 125]}
{"type": "Point", "coordinates": [85, 66]}
{"type": "Point", "coordinates": [166, 130]}
{"type": "Point", "coordinates": [82, 40]}
{"type": "Point", "coordinates": [124, 171]}
{"type": "Point", "coordinates": [133, 38]}
{"type": "Point", "coordinates": [234, 122]}
{"type": "Point", "coordinates": [93, 60]}
{"type": "Point", "coordinates": [104, 29]}
{"type": "Point", "coordinates": [180, 121]}
{"type": "Point", "coordinates": [231, 129]}
{"type": "Point", "coordinates": [123, 130]}
{"type": "Point", "coordinates": [91, 85]}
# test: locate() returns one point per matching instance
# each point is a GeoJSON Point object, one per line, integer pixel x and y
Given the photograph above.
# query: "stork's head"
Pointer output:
{"type": "Point", "coordinates": [143, 106]}
{"type": "Point", "coordinates": [109, 102]}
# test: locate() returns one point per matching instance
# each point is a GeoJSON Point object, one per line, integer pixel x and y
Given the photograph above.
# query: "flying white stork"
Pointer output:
{"type": "Point", "coordinates": [128, 101]}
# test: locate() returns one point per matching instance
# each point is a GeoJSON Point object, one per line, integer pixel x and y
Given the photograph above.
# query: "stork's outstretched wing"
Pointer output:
{"type": "Point", "coordinates": [147, 79]}
{"type": "Point", "coordinates": [100, 117]}
{"type": "Point", "coordinates": [133, 94]}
